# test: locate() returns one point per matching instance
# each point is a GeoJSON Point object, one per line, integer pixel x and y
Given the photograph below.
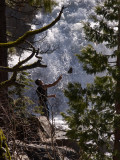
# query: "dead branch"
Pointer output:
{"type": "Point", "coordinates": [30, 33]}
{"type": "Point", "coordinates": [18, 67]}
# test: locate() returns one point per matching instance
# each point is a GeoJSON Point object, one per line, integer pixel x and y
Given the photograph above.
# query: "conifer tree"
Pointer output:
{"type": "Point", "coordinates": [94, 114]}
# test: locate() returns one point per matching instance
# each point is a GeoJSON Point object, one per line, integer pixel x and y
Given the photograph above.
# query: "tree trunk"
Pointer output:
{"type": "Point", "coordinates": [116, 155]}
{"type": "Point", "coordinates": [3, 51]}
{"type": "Point", "coordinates": [3, 62]}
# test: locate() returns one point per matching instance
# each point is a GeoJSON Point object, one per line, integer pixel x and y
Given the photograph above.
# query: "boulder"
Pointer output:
{"type": "Point", "coordinates": [41, 144]}
{"type": "Point", "coordinates": [33, 129]}
{"type": "Point", "coordinates": [43, 152]}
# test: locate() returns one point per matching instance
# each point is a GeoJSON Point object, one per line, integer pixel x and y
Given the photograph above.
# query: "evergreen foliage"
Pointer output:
{"type": "Point", "coordinates": [93, 117]}
{"type": "Point", "coordinates": [21, 102]}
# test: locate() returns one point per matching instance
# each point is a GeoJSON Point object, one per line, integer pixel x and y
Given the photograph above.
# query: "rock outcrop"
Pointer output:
{"type": "Point", "coordinates": [46, 143]}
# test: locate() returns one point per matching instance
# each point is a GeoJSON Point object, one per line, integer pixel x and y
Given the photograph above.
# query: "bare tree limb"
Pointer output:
{"type": "Point", "coordinates": [12, 80]}
{"type": "Point", "coordinates": [30, 33]}
{"type": "Point", "coordinates": [18, 67]}
{"type": "Point", "coordinates": [27, 59]}
{"type": "Point", "coordinates": [31, 66]}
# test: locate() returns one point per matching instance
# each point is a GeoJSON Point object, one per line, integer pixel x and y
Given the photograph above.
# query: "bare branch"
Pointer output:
{"type": "Point", "coordinates": [19, 67]}
{"type": "Point", "coordinates": [31, 66]}
{"type": "Point", "coordinates": [24, 61]}
{"type": "Point", "coordinates": [30, 33]}
{"type": "Point", "coordinates": [28, 58]}
{"type": "Point", "coordinates": [12, 80]}
{"type": "Point", "coordinates": [6, 69]}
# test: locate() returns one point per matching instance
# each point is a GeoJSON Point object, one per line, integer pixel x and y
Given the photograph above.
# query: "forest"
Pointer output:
{"type": "Point", "coordinates": [93, 113]}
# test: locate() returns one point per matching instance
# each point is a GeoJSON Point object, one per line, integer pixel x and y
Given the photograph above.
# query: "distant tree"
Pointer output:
{"type": "Point", "coordinates": [94, 114]}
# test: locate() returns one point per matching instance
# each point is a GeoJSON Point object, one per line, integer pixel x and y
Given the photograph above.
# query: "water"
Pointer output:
{"type": "Point", "coordinates": [66, 38]}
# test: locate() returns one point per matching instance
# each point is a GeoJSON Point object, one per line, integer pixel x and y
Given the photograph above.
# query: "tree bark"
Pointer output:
{"type": "Point", "coordinates": [116, 155]}
{"type": "Point", "coordinates": [3, 51]}
{"type": "Point", "coordinates": [3, 62]}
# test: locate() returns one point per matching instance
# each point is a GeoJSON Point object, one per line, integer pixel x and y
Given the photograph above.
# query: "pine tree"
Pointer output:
{"type": "Point", "coordinates": [94, 114]}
